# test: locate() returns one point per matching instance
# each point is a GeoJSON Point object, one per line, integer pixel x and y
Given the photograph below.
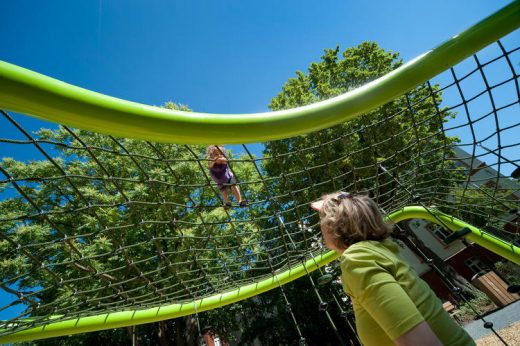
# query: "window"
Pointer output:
{"type": "Point", "coordinates": [440, 233]}
{"type": "Point", "coordinates": [415, 224]}
{"type": "Point", "coordinates": [476, 265]}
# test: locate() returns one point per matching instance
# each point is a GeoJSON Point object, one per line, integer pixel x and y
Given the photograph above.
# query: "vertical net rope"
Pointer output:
{"type": "Point", "coordinates": [95, 224]}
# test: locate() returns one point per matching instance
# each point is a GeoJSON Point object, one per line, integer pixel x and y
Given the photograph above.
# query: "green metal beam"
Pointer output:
{"type": "Point", "coordinates": [135, 317]}
{"type": "Point", "coordinates": [484, 239]}
{"type": "Point", "coordinates": [31, 93]}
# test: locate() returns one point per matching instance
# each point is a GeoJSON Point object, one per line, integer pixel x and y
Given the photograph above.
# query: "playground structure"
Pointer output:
{"type": "Point", "coordinates": [143, 279]}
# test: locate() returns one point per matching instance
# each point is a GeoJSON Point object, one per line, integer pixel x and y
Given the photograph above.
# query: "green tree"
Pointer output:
{"type": "Point", "coordinates": [400, 144]}
{"type": "Point", "coordinates": [106, 224]}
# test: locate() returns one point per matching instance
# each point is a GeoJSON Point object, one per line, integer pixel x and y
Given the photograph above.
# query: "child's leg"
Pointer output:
{"type": "Point", "coordinates": [225, 195]}
{"type": "Point", "coordinates": [236, 193]}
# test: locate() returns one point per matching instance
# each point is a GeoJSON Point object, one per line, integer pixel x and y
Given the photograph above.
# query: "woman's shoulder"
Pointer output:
{"type": "Point", "coordinates": [364, 262]}
{"type": "Point", "coordinates": [386, 245]}
{"type": "Point", "coordinates": [371, 250]}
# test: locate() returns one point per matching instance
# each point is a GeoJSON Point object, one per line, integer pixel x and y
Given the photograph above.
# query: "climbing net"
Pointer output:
{"type": "Point", "coordinates": [95, 224]}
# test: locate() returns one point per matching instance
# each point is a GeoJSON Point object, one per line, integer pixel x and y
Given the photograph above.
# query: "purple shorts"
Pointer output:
{"type": "Point", "coordinates": [232, 181]}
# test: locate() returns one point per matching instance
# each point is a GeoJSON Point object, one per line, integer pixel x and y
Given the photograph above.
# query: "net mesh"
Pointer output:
{"type": "Point", "coordinates": [91, 223]}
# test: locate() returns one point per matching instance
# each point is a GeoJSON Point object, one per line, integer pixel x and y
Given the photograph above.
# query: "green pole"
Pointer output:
{"type": "Point", "coordinates": [484, 239]}
{"type": "Point", "coordinates": [31, 93]}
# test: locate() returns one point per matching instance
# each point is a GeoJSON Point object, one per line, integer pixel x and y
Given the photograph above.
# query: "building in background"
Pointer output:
{"type": "Point", "coordinates": [466, 259]}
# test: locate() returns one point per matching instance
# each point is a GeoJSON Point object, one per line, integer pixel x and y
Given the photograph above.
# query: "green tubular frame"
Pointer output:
{"type": "Point", "coordinates": [28, 92]}
{"type": "Point", "coordinates": [134, 317]}
{"type": "Point", "coordinates": [486, 240]}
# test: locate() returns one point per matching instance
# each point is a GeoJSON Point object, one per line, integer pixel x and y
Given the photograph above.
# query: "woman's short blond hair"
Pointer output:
{"type": "Point", "coordinates": [350, 218]}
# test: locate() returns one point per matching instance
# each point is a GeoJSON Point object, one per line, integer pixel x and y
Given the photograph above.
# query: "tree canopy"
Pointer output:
{"type": "Point", "coordinates": [105, 224]}
{"type": "Point", "coordinates": [393, 151]}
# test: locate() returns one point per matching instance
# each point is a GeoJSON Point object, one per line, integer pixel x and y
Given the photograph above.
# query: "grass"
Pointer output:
{"type": "Point", "coordinates": [472, 309]}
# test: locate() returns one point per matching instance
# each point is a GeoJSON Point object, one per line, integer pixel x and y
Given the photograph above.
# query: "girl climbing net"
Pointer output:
{"type": "Point", "coordinates": [222, 175]}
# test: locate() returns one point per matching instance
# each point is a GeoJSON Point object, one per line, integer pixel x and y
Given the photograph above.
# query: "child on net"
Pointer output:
{"type": "Point", "coordinates": [222, 175]}
{"type": "Point", "coordinates": [392, 305]}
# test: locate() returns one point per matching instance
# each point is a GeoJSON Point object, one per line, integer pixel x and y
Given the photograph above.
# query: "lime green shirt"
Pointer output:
{"type": "Point", "coordinates": [389, 299]}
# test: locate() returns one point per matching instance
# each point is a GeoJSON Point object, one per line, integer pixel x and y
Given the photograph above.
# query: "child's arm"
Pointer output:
{"type": "Point", "coordinates": [221, 159]}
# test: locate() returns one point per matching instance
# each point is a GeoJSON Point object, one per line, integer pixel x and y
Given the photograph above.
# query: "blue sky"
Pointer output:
{"type": "Point", "coordinates": [215, 56]}
{"type": "Point", "coordinates": [225, 56]}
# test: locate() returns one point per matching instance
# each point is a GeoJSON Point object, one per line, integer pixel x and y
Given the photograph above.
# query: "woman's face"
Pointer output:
{"type": "Point", "coordinates": [329, 243]}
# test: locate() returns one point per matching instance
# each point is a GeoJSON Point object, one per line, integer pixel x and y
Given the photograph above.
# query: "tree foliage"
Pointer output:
{"type": "Point", "coordinates": [400, 144]}
{"type": "Point", "coordinates": [106, 224]}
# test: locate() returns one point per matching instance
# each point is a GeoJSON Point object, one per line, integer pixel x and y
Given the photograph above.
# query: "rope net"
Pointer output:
{"type": "Point", "coordinates": [95, 224]}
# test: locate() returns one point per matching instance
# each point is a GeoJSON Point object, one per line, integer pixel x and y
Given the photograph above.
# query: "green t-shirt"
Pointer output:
{"type": "Point", "coordinates": [389, 299]}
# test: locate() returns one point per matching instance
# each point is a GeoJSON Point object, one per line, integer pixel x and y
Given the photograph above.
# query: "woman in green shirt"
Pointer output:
{"type": "Point", "coordinates": [392, 305]}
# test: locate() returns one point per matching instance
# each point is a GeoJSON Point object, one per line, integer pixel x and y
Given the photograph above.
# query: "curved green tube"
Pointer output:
{"type": "Point", "coordinates": [28, 92]}
{"type": "Point", "coordinates": [484, 239]}
{"type": "Point", "coordinates": [134, 317]}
